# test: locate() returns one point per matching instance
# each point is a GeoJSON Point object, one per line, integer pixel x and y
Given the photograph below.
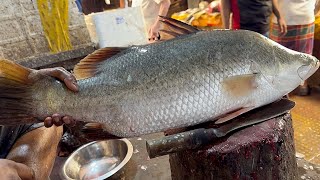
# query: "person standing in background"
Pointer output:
{"type": "Point", "coordinates": [94, 6]}
{"type": "Point", "coordinates": [251, 15]}
{"type": "Point", "coordinates": [123, 3]}
{"type": "Point", "coordinates": [230, 14]}
{"type": "Point", "coordinates": [299, 15]}
{"type": "Point", "coordinates": [152, 9]}
{"type": "Point", "coordinates": [317, 8]}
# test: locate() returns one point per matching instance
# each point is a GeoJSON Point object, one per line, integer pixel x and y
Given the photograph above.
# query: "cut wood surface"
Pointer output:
{"type": "Point", "coordinates": [264, 151]}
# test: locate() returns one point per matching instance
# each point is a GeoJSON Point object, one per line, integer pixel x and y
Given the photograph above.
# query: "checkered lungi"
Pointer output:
{"type": "Point", "coordinates": [299, 37]}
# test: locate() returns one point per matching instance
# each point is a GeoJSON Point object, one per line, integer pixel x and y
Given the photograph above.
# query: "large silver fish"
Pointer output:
{"type": "Point", "coordinates": [194, 78]}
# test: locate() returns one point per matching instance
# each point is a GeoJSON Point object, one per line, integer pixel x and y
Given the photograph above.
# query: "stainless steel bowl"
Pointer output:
{"type": "Point", "coordinates": [98, 159]}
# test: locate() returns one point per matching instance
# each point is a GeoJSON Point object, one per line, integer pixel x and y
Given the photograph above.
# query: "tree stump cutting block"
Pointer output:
{"type": "Point", "coordinates": [264, 151]}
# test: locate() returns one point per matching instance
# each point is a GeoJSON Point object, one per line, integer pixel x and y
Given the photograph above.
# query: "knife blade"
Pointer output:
{"type": "Point", "coordinates": [199, 137]}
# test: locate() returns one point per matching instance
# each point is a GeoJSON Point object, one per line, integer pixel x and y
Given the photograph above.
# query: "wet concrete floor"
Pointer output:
{"type": "Point", "coordinates": [306, 123]}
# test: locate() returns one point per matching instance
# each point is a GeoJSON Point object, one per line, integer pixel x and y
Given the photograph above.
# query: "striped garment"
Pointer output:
{"type": "Point", "coordinates": [299, 37]}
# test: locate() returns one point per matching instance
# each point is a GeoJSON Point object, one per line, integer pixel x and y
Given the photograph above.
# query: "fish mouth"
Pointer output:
{"type": "Point", "coordinates": [305, 71]}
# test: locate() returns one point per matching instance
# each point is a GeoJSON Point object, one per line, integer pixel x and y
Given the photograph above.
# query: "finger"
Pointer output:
{"type": "Point", "coordinates": [65, 76]}
{"type": "Point", "coordinates": [57, 72]}
{"type": "Point", "coordinates": [56, 118]}
{"type": "Point", "coordinates": [69, 121]}
{"type": "Point", "coordinates": [155, 35]}
{"type": "Point", "coordinates": [283, 32]}
{"type": "Point", "coordinates": [60, 123]}
{"type": "Point", "coordinates": [152, 37]}
{"type": "Point", "coordinates": [24, 171]}
{"type": "Point", "coordinates": [285, 29]}
{"type": "Point", "coordinates": [48, 122]}
{"type": "Point", "coordinates": [71, 83]}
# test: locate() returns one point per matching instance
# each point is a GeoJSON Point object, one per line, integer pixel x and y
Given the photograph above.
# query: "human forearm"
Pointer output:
{"type": "Point", "coordinates": [164, 8]}
{"type": "Point", "coordinates": [38, 150]}
{"type": "Point", "coordinates": [275, 9]}
{"type": "Point", "coordinates": [153, 31]}
{"type": "Point", "coordinates": [122, 3]}
{"type": "Point", "coordinates": [225, 13]}
{"type": "Point", "coordinates": [13, 170]}
{"type": "Point", "coordinates": [281, 22]}
{"type": "Point", "coordinates": [317, 8]}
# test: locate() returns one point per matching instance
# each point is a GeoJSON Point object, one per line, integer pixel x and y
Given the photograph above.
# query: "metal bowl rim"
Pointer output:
{"type": "Point", "coordinates": [114, 170]}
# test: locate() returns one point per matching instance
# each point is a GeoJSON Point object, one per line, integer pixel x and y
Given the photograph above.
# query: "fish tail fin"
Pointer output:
{"type": "Point", "coordinates": [15, 94]}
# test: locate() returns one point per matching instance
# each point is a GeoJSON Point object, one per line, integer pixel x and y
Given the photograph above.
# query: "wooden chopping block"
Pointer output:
{"type": "Point", "coordinates": [264, 151]}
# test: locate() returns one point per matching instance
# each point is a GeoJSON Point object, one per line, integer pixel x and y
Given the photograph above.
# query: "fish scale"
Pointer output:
{"type": "Point", "coordinates": [181, 110]}
{"type": "Point", "coordinates": [180, 82]}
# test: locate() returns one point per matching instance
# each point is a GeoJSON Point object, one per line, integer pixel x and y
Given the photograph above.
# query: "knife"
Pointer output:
{"type": "Point", "coordinates": [197, 138]}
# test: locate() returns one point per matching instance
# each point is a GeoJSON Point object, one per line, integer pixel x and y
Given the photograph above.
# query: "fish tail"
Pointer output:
{"type": "Point", "coordinates": [15, 94]}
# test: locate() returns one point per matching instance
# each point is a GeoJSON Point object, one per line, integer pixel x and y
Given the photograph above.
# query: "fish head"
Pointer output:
{"type": "Point", "coordinates": [309, 65]}
{"type": "Point", "coordinates": [290, 69]}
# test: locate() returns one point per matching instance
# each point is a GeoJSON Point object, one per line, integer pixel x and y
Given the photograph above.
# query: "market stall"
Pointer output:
{"type": "Point", "coordinates": [205, 16]}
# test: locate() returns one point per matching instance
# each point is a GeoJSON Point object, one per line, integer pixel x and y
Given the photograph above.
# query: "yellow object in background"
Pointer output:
{"type": "Point", "coordinates": [210, 20]}
{"type": "Point", "coordinates": [55, 20]}
{"type": "Point", "coordinates": [199, 18]}
{"type": "Point", "coordinates": [180, 16]}
{"type": "Point", "coordinates": [317, 28]}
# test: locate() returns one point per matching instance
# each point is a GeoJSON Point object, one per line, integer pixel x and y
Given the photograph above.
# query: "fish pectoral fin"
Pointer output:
{"type": "Point", "coordinates": [233, 115]}
{"type": "Point", "coordinates": [93, 126]}
{"type": "Point", "coordinates": [88, 67]}
{"type": "Point", "coordinates": [240, 85]}
{"type": "Point", "coordinates": [175, 28]}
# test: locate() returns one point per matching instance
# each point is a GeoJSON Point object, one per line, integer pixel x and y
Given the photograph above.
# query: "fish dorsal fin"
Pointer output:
{"type": "Point", "coordinates": [175, 28]}
{"type": "Point", "coordinates": [240, 85]}
{"type": "Point", "coordinates": [88, 67]}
